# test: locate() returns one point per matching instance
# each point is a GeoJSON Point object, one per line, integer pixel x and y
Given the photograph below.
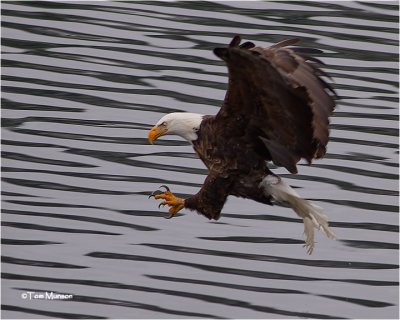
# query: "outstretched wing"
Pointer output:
{"type": "Point", "coordinates": [278, 97]}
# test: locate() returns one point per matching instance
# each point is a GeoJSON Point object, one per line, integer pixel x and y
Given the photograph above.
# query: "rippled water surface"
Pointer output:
{"type": "Point", "coordinates": [81, 85]}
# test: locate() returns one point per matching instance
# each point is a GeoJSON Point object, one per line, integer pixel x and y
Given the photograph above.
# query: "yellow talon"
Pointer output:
{"type": "Point", "coordinates": [176, 204]}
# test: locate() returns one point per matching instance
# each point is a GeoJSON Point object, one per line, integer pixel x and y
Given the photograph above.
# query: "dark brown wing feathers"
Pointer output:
{"type": "Point", "coordinates": [247, 45]}
{"type": "Point", "coordinates": [278, 94]}
{"type": "Point", "coordinates": [235, 41]}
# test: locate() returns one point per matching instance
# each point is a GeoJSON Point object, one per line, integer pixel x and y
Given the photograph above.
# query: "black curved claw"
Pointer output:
{"type": "Point", "coordinates": [165, 187]}
{"type": "Point", "coordinates": [169, 216]}
{"type": "Point", "coordinates": [161, 204]}
{"type": "Point", "coordinates": [155, 193]}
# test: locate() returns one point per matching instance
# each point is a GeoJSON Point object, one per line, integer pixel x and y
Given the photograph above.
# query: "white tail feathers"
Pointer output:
{"type": "Point", "coordinates": [313, 216]}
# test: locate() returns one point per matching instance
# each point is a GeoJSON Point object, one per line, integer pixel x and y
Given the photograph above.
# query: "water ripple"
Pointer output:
{"type": "Point", "coordinates": [81, 86]}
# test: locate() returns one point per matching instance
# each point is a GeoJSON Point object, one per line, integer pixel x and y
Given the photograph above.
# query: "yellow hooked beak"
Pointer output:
{"type": "Point", "coordinates": [157, 132]}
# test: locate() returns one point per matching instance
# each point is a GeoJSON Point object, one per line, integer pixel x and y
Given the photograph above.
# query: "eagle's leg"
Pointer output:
{"type": "Point", "coordinates": [176, 204]}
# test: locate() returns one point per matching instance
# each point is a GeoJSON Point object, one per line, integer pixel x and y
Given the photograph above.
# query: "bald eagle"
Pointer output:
{"type": "Point", "coordinates": [276, 109]}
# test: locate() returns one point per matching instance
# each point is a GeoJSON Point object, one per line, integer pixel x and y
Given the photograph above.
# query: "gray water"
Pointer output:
{"type": "Point", "coordinates": [81, 85]}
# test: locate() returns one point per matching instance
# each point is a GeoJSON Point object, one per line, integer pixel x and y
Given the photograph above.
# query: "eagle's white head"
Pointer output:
{"type": "Point", "coordinates": [183, 124]}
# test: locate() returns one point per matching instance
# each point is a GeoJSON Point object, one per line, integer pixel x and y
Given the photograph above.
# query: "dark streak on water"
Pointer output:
{"type": "Point", "coordinates": [81, 85]}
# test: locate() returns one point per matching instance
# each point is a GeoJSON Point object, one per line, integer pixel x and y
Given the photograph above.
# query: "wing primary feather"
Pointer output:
{"type": "Point", "coordinates": [328, 86]}
{"type": "Point", "coordinates": [220, 52]}
{"type": "Point", "coordinates": [306, 50]}
{"type": "Point", "coordinates": [319, 71]}
{"type": "Point", "coordinates": [310, 58]}
{"type": "Point", "coordinates": [247, 45]}
{"type": "Point", "coordinates": [235, 41]}
{"type": "Point", "coordinates": [284, 43]}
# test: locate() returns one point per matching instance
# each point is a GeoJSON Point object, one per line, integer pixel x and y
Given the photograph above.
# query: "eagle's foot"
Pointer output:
{"type": "Point", "coordinates": [176, 204]}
